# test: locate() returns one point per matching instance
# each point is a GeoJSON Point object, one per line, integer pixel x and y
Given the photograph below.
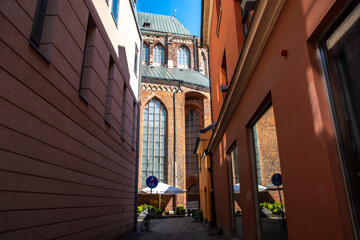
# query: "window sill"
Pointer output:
{"type": "Point", "coordinates": [115, 21]}
{"type": "Point", "coordinates": [83, 98]}
{"type": "Point", "coordinates": [107, 123]}
{"type": "Point", "coordinates": [39, 51]}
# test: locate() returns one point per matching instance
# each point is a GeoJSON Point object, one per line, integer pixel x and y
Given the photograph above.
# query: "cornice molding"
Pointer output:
{"type": "Point", "coordinates": [263, 21]}
{"type": "Point", "coordinates": [207, 6]}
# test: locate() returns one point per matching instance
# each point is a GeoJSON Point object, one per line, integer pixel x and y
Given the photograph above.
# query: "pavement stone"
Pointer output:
{"type": "Point", "coordinates": [172, 229]}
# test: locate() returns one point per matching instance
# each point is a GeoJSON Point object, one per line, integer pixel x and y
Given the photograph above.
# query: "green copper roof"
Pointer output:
{"type": "Point", "coordinates": [161, 23]}
{"type": "Point", "coordinates": [175, 74]}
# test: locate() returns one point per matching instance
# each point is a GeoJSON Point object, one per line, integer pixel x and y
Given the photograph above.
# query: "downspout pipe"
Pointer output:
{"type": "Point", "coordinates": [175, 145]}
{"type": "Point", "coordinates": [212, 198]}
{"type": "Point", "coordinates": [137, 163]}
{"type": "Point", "coordinates": [208, 51]}
{"type": "Point", "coordinates": [138, 130]}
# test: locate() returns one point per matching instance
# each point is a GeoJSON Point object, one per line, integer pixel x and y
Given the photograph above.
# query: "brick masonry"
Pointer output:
{"type": "Point", "coordinates": [268, 147]}
{"type": "Point", "coordinates": [186, 98]}
{"type": "Point", "coordinates": [182, 105]}
{"type": "Point", "coordinates": [268, 153]}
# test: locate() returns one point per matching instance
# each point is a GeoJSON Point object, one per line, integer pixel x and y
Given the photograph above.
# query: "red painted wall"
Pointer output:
{"type": "Point", "coordinates": [63, 170]}
{"type": "Point", "coordinates": [316, 203]}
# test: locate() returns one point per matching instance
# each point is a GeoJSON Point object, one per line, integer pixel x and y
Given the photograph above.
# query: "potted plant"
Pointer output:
{"type": "Point", "coordinates": [158, 212]}
{"type": "Point", "coordinates": [180, 209]}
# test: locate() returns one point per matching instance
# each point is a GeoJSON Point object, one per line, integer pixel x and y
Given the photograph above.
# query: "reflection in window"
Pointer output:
{"type": "Point", "coordinates": [158, 55]}
{"type": "Point", "coordinates": [183, 58]}
{"type": "Point", "coordinates": [235, 190]}
{"type": "Point", "coordinates": [233, 156]}
{"type": "Point", "coordinates": [342, 51]}
{"type": "Point", "coordinates": [115, 10]}
{"type": "Point", "coordinates": [267, 164]}
{"type": "Point", "coordinates": [38, 22]}
{"type": "Point", "coordinates": [266, 148]}
{"type": "Point", "coordinates": [153, 141]}
{"type": "Point", "coordinates": [192, 132]}
{"type": "Point", "coordinates": [257, 156]}
{"type": "Point", "coordinates": [145, 59]}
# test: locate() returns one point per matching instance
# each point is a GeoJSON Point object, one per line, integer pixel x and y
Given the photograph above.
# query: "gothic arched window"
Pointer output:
{"type": "Point", "coordinates": [183, 57]}
{"type": "Point", "coordinates": [145, 59]}
{"type": "Point", "coordinates": [158, 55]}
{"type": "Point", "coordinates": [192, 132]}
{"type": "Point", "coordinates": [153, 141]}
{"type": "Point", "coordinates": [203, 64]}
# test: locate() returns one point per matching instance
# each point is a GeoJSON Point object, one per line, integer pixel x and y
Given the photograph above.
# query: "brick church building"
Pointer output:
{"type": "Point", "coordinates": [175, 105]}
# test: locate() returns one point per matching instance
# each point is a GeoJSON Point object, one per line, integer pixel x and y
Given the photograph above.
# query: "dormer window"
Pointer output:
{"type": "Point", "coordinates": [146, 24]}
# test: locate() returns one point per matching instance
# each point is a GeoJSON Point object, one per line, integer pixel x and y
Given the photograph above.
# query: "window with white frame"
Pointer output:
{"type": "Point", "coordinates": [158, 55]}
{"type": "Point", "coordinates": [183, 57]}
{"type": "Point", "coordinates": [145, 60]}
{"type": "Point", "coordinates": [115, 10]}
{"type": "Point", "coordinates": [203, 64]}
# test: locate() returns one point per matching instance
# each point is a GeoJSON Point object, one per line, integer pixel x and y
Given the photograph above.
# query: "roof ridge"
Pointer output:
{"type": "Point", "coordinates": [158, 14]}
{"type": "Point", "coordinates": [189, 76]}
{"type": "Point", "coordinates": [161, 23]}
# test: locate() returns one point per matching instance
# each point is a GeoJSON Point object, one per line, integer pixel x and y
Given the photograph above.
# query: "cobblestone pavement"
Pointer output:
{"type": "Point", "coordinates": [173, 229]}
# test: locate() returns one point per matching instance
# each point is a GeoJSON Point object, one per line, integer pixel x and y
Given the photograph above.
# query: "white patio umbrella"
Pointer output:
{"type": "Point", "coordinates": [162, 189]}
{"type": "Point", "coordinates": [237, 188]}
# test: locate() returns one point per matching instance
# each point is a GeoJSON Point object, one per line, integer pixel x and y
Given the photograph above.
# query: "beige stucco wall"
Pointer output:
{"type": "Point", "coordinates": [125, 34]}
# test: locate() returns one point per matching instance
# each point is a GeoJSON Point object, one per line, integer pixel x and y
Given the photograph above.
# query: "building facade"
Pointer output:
{"type": "Point", "coordinates": [69, 115]}
{"type": "Point", "coordinates": [284, 84]}
{"type": "Point", "coordinates": [175, 105]}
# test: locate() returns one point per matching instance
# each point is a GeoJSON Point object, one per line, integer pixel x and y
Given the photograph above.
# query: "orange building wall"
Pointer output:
{"type": "Point", "coordinates": [307, 147]}
{"type": "Point", "coordinates": [230, 41]}
{"type": "Point", "coordinates": [204, 177]}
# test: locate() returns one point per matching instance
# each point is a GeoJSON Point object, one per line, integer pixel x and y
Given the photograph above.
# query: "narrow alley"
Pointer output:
{"type": "Point", "coordinates": [193, 120]}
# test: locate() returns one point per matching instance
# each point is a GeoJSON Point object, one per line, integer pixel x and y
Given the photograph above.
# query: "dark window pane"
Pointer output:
{"type": "Point", "coordinates": [38, 23]}
{"type": "Point", "coordinates": [342, 49]}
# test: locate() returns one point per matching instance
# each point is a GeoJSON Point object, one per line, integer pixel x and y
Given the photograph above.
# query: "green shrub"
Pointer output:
{"type": "Point", "coordinates": [145, 206]}
{"type": "Point", "coordinates": [158, 211]}
{"type": "Point", "coordinates": [275, 207]}
{"type": "Point", "coordinates": [197, 214]}
{"type": "Point", "coordinates": [271, 207]}
{"type": "Point", "coordinates": [180, 206]}
{"type": "Point", "coordinates": [139, 209]}
{"type": "Point", "coordinates": [264, 204]}
{"type": "Point", "coordinates": [180, 209]}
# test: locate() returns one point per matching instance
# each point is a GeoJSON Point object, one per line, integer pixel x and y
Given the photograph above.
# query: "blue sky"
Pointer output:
{"type": "Point", "coordinates": [188, 11]}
